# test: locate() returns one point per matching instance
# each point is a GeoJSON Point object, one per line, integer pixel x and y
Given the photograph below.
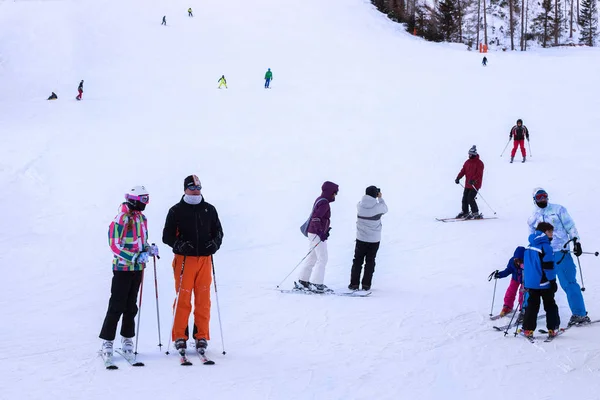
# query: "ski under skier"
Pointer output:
{"type": "Point", "coordinates": [80, 90]}
{"type": "Point", "coordinates": [128, 240]}
{"type": "Point", "coordinates": [472, 170]}
{"type": "Point", "coordinates": [484, 61]}
{"type": "Point", "coordinates": [519, 132]}
{"type": "Point", "coordinates": [222, 82]}
{"type": "Point", "coordinates": [564, 232]}
{"type": "Point", "coordinates": [193, 230]}
{"type": "Point", "coordinates": [268, 78]}
{"type": "Point", "coordinates": [368, 235]}
{"type": "Point", "coordinates": [318, 233]}
{"type": "Point", "coordinates": [190, 12]}
{"type": "Point", "coordinates": [514, 267]}
{"type": "Point", "coordinates": [540, 281]}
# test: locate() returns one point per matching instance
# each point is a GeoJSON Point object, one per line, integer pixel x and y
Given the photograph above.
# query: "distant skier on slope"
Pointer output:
{"type": "Point", "coordinates": [128, 240]}
{"type": "Point", "coordinates": [368, 235]}
{"type": "Point", "coordinates": [540, 281]}
{"type": "Point", "coordinates": [318, 233]}
{"type": "Point", "coordinates": [164, 20]}
{"type": "Point", "coordinates": [53, 96]}
{"type": "Point", "coordinates": [222, 82]}
{"type": "Point", "coordinates": [268, 78]}
{"type": "Point", "coordinates": [514, 267]}
{"type": "Point", "coordinates": [564, 232]}
{"type": "Point", "coordinates": [190, 12]}
{"type": "Point", "coordinates": [484, 61]}
{"type": "Point", "coordinates": [80, 90]}
{"type": "Point", "coordinates": [519, 132]}
{"type": "Point", "coordinates": [472, 170]}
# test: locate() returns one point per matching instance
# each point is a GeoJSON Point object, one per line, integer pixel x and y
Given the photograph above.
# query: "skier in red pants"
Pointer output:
{"type": "Point", "coordinates": [520, 133]}
{"type": "Point", "coordinates": [80, 90]}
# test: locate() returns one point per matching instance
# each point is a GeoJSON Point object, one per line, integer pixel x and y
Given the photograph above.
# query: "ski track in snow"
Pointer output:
{"type": "Point", "coordinates": [355, 100]}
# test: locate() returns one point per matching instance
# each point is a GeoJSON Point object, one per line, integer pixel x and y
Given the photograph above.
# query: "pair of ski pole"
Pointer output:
{"type": "Point", "coordinates": [507, 143]}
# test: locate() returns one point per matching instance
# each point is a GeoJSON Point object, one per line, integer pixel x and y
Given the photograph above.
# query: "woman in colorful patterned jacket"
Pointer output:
{"type": "Point", "coordinates": [128, 240]}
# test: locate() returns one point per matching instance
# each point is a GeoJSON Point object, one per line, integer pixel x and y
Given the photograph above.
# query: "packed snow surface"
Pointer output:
{"type": "Point", "coordinates": [355, 100]}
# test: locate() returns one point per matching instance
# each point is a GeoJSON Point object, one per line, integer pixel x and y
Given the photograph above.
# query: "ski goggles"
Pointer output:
{"type": "Point", "coordinates": [541, 197]}
{"type": "Point", "coordinates": [144, 199]}
{"type": "Point", "coordinates": [194, 187]}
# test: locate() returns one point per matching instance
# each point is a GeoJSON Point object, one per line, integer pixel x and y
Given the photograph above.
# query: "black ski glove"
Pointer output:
{"type": "Point", "coordinates": [457, 181]}
{"type": "Point", "coordinates": [472, 182]}
{"type": "Point", "coordinates": [553, 286]}
{"type": "Point", "coordinates": [182, 246]}
{"type": "Point", "coordinates": [493, 275]}
{"type": "Point", "coordinates": [510, 136]}
{"type": "Point", "coordinates": [577, 249]}
{"type": "Point", "coordinates": [211, 246]}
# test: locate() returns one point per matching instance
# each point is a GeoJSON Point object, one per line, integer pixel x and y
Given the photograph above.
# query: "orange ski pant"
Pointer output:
{"type": "Point", "coordinates": [196, 279]}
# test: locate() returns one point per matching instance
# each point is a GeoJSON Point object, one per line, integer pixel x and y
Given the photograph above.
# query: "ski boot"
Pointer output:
{"type": "Point", "coordinates": [512, 159]}
{"type": "Point", "coordinates": [579, 320]}
{"type": "Point", "coordinates": [469, 216]}
{"type": "Point", "coordinates": [527, 333]}
{"type": "Point", "coordinates": [477, 215]}
{"type": "Point", "coordinates": [353, 287]}
{"type": "Point", "coordinates": [462, 214]}
{"type": "Point", "coordinates": [366, 287]}
{"type": "Point", "coordinates": [201, 345]}
{"type": "Point", "coordinates": [127, 345]}
{"type": "Point", "coordinates": [107, 348]}
{"type": "Point", "coordinates": [524, 158]}
{"type": "Point", "coordinates": [180, 346]}
{"type": "Point", "coordinates": [505, 310]}
{"type": "Point", "coordinates": [303, 284]}
{"type": "Point", "coordinates": [319, 288]}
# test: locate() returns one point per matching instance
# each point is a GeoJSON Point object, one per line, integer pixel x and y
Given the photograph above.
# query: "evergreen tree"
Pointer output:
{"type": "Point", "coordinates": [447, 20]}
{"type": "Point", "coordinates": [542, 23]}
{"type": "Point", "coordinates": [588, 20]}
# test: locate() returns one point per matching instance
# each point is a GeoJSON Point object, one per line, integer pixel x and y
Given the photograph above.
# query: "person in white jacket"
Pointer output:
{"type": "Point", "coordinates": [368, 235]}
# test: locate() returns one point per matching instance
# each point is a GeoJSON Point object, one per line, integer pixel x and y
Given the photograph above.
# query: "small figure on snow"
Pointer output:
{"type": "Point", "coordinates": [222, 82]}
{"type": "Point", "coordinates": [564, 232]}
{"type": "Point", "coordinates": [519, 132]}
{"type": "Point", "coordinates": [268, 78]}
{"type": "Point", "coordinates": [190, 12]}
{"type": "Point", "coordinates": [318, 233]}
{"type": "Point", "coordinates": [164, 20]}
{"type": "Point", "coordinates": [484, 61]}
{"type": "Point", "coordinates": [194, 232]}
{"type": "Point", "coordinates": [368, 235]}
{"type": "Point", "coordinates": [128, 240]}
{"type": "Point", "coordinates": [472, 170]}
{"type": "Point", "coordinates": [80, 90]}
{"type": "Point", "coordinates": [53, 96]}
{"type": "Point", "coordinates": [540, 280]}
{"type": "Point", "coordinates": [514, 268]}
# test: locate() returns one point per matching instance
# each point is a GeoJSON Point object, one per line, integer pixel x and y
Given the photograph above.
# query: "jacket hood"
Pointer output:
{"type": "Point", "coordinates": [519, 252]}
{"type": "Point", "coordinates": [368, 201]}
{"type": "Point", "coordinates": [538, 238]}
{"type": "Point", "coordinates": [328, 189]}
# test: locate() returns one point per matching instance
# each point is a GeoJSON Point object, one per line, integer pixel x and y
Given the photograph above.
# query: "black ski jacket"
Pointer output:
{"type": "Point", "coordinates": [519, 132]}
{"type": "Point", "coordinates": [198, 224]}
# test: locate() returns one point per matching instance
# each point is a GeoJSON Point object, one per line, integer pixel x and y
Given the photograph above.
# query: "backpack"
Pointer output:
{"type": "Point", "coordinates": [304, 226]}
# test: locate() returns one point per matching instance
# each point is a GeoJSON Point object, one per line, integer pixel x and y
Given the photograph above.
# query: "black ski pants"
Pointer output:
{"type": "Point", "coordinates": [123, 301]}
{"type": "Point", "coordinates": [533, 307]}
{"type": "Point", "coordinates": [468, 199]}
{"type": "Point", "coordinates": [362, 251]}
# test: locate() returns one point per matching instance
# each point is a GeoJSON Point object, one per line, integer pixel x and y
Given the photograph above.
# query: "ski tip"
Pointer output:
{"type": "Point", "coordinates": [209, 362]}
{"type": "Point", "coordinates": [112, 367]}
{"type": "Point", "coordinates": [186, 363]}
{"type": "Point", "coordinates": [138, 364]}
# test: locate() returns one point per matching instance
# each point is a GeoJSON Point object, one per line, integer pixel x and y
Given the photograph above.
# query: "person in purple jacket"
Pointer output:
{"type": "Point", "coordinates": [514, 268]}
{"type": "Point", "coordinates": [318, 232]}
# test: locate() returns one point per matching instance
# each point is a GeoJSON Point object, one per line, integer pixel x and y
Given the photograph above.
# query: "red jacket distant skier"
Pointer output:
{"type": "Point", "coordinates": [519, 132]}
{"type": "Point", "coordinates": [80, 90]}
{"type": "Point", "coordinates": [472, 170]}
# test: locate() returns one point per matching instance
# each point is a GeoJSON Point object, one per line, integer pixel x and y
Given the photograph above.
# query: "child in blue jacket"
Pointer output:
{"type": "Point", "coordinates": [540, 280]}
{"type": "Point", "coordinates": [514, 268]}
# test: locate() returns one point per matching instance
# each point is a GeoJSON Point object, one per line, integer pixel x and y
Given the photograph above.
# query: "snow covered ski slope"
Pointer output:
{"type": "Point", "coordinates": [354, 100]}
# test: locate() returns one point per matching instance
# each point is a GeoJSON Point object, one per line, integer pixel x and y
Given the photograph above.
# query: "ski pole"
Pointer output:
{"type": "Point", "coordinates": [137, 335]}
{"type": "Point", "coordinates": [479, 194]}
{"type": "Point", "coordinates": [303, 258]}
{"type": "Point", "coordinates": [494, 296]}
{"type": "Point", "coordinates": [529, 145]}
{"type": "Point", "coordinates": [581, 275]}
{"type": "Point", "coordinates": [176, 303]}
{"type": "Point", "coordinates": [218, 307]}
{"type": "Point", "coordinates": [505, 147]}
{"type": "Point", "coordinates": [511, 320]}
{"type": "Point", "coordinates": [157, 312]}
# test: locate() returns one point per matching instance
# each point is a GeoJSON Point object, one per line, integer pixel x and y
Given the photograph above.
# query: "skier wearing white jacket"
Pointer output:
{"type": "Point", "coordinates": [564, 232]}
{"type": "Point", "coordinates": [368, 235]}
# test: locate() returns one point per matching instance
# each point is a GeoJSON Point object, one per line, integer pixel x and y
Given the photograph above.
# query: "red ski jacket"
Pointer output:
{"type": "Point", "coordinates": [473, 171]}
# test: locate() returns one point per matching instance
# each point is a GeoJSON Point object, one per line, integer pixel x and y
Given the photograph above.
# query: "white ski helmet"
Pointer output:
{"type": "Point", "coordinates": [137, 197]}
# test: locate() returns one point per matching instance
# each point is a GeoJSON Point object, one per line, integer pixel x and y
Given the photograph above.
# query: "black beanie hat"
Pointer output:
{"type": "Point", "coordinates": [191, 180]}
{"type": "Point", "coordinates": [372, 191]}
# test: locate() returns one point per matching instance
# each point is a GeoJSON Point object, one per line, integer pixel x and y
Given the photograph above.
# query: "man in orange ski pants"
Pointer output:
{"type": "Point", "coordinates": [194, 232]}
